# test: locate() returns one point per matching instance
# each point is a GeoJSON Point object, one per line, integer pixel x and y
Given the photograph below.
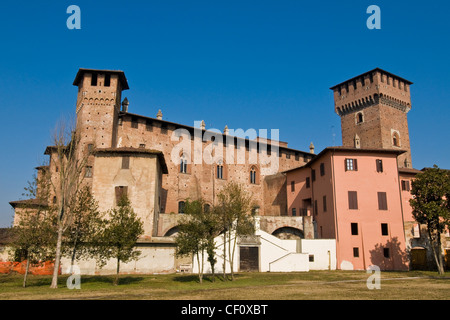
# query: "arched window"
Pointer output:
{"type": "Point", "coordinates": [181, 205]}
{"type": "Point", "coordinates": [206, 208]}
{"type": "Point", "coordinates": [219, 170]}
{"type": "Point", "coordinates": [253, 175]}
{"type": "Point", "coordinates": [396, 139]}
{"type": "Point", "coordinates": [359, 117]}
{"type": "Point", "coordinates": [183, 164]}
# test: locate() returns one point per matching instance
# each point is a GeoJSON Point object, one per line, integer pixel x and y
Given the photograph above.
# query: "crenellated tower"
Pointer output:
{"type": "Point", "coordinates": [98, 105]}
{"type": "Point", "coordinates": [373, 108]}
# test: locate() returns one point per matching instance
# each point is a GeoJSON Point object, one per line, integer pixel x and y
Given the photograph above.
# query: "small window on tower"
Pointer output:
{"type": "Point", "coordinates": [107, 80]}
{"type": "Point", "coordinates": [359, 117]}
{"type": "Point", "coordinates": [396, 139]}
{"type": "Point", "coordinates": [94, 79]}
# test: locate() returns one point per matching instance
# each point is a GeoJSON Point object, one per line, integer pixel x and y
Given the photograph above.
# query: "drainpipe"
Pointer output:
{"type": "Point", "coordinates": [335, 212]}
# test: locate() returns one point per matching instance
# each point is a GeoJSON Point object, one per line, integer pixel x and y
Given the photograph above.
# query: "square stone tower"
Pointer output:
{"type": "Point", "coordinates": [98, 106]}
{"type": "Point", "coordinates": [373, 108]}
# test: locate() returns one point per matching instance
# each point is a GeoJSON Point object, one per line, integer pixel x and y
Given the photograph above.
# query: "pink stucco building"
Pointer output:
{"type": "Point", "coordinates": [355, 197]}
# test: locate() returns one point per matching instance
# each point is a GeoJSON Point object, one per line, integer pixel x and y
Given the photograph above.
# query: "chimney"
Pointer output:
{"type": "Point", "coordinates": [125, 104]}
{"type": "Point", "coordinates": [159, 115]}
{"type": "Point", "coordinates": [311, 148]}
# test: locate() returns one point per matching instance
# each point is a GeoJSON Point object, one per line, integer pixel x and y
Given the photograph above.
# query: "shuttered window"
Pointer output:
{"type": "Point", "coordinates": [379, 164]}
{"type": "Point", "coordinates": [382, 201]}
{"type": "Point", "coordinates": [351, 164]}
{"type": "Point", "coordinates": [405, 185]}
{"type": "Point", "coordinates": [352, 200]}
{"type": "Point", "coordinates": [121, 191]}
{"type": "Point", "coordinates": [324, 203]}
{"type": "Point", "coordinates": [322, 169]}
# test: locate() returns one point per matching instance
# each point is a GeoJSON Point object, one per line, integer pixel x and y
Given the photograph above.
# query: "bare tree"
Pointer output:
{"type": "Point", "coordinates": [70, 161]}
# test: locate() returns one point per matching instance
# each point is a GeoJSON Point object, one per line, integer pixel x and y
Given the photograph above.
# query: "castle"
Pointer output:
{"type": "Point", "coordinates": [357, 195]}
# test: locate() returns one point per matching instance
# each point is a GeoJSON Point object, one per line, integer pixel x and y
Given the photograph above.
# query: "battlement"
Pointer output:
{"type": "Point", "coordinates": [371, 88]}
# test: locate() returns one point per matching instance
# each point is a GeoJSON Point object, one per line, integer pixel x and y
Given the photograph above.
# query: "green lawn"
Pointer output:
{"type": "Point", "coordinates": [348, 285]}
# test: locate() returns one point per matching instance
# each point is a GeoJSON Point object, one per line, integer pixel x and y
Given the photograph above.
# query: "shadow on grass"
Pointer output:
{"type": "Point", "coordinates": [45, 281]}
{"type": "Point", "coordinates": [206, 278]}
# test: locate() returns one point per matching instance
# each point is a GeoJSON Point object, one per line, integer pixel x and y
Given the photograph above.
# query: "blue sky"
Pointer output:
{"type": "Point", "coordinates": [245, 64]}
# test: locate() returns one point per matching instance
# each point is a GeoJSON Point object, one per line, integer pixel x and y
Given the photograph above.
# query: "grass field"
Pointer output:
{"type": "Point", "coordinates": [313, 285]}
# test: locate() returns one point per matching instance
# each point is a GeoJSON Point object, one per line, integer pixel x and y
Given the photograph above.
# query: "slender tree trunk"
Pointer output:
{"type": "Point", "coordinates": [74, 252]}
{"type": "Point", "coordinates": [54, 284]}
{"type": "Point", "coordinates": [116, 280]}
{"type": "Point", "coordinates": [224, 256]}
{"type": "Point", "coordinates": [232, 250]}
{"type": "Point", "coordinates": [26, 270]}
{"type": "Point", "coordinates": [200, 267]}
{"type": "Point", "coordinates": [436, 248]}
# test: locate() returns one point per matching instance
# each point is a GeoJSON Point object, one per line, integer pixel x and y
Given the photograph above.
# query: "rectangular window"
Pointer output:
{"type": "Point", "coordinates": [405, 185]}
{"type": "Point", "coordinates": [94, 79]}
{"type": "Point", "coordinates": [384, 229]}
{"type": "Point", "coordinates": [90, 147]}
{"type": "Point", "coordinates": [219, 172]}
{"type": "Point", "coordinates": [353, 200]}
{"type": "Point", "coordinates": [88, 172]}
{"type": "Point", "coordinates": [148, 126]}
{"type": "Point", "coordinates": [382, 201]}
{"type": "Point", "coordinates": [354, 227]}
{"type": "Point", "coordinates": [134, 123]}
{"type": "Point", "coordinates": [121, 191]}
{"type": "Point", "coordinates": [351, 165]}
{"type": "Point", "coordinates": [324, 203]}
{"type": "Point", "coordinates": [308, 182]}
{"type": "Point", "coordinates": [386, 253]}
{"type": "Point", "coordinates": [356, 252]}
{"type": "Point", "coordinates": [294, 212]}
{"type": "Point", "coordinates": [316, 209]}
{"type": "Point", "coordinates": [313, 175]}
{"type": "Point", "coordinates": [292, 186]}
{"type": "Point", "coordinates": [125, 162]}
{"type": "Point", "coordinates": [311, 258]}
{"type": "Point", "coordinates": [379, 164]}
{"type": "Point", "coordinates": [107, 80]}
{"type": "Point", "coordinates": [322, 169]}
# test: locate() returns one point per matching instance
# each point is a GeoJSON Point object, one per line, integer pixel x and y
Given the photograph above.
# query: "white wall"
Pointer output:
{"type": "Point", "coordinates": [153, 259]}
{"type": "Point", "coordinates": [324, 251]}
{"type": "Point", "coordinates": [274, 255]}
